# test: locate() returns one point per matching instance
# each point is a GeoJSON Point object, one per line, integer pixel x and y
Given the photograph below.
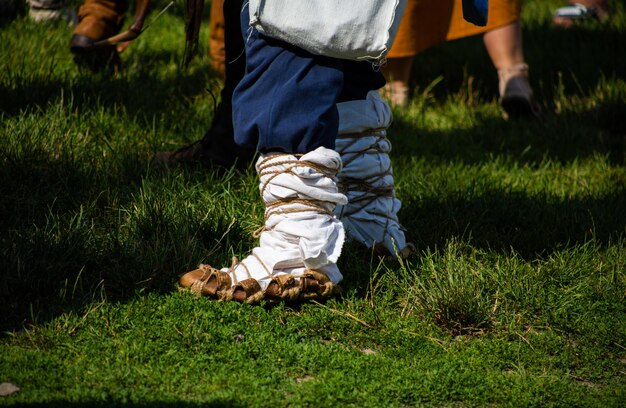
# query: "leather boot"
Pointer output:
{"type": "Point", "coordinates": [97, 20]}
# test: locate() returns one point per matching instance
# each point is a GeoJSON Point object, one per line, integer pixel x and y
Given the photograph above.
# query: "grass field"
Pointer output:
{"type": "Point", "coordinates": [516, 296]}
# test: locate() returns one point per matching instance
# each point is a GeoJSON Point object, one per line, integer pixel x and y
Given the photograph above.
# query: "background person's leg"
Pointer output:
{"type": "Point", "coordinates": [217, 147]}
{"type": "Point", "coordinates": [504, 45]}
{"type": "Point", "coordinates": [398, 74]}
{"type": "Point", "coordinates": [217, 23]}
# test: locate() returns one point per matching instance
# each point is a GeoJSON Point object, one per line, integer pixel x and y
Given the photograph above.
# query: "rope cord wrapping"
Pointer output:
{"type": "Point", "coordinates": [360, 184]}
{"type": "Point", "coordinates": [304, 204]}
{"type": "Point", "coordinates": [366, 187]}
{"type": "Point", "coordinates": [282, 267]}
{"type": "Point", "coordinates": [235, 263]}
{"type": "Point", "coordinates": [267, 167]}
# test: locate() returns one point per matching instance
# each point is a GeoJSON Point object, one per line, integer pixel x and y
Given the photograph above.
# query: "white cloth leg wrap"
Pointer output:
{"type": "Point", "coordinates": [300, 229]}
{"type": "Point", "coordinates": [370, 217]}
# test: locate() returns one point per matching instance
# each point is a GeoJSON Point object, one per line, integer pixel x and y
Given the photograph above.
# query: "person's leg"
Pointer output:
{"type": "Point", "coordinates": [398, 72]}
{"type": "Point", "coordinates": [217, 147]}
{"type": "Point", "coordinates": [286, 99]}
{"type": "Point", "coordinates": [371, 215]}
{"type": "Point", "coordinates": [218, 144]}
{"type": "Point", "coordinates": [217, 49]}
{"type": "Point", "coordinates": [285, 107]}
{"type": "Point", "coordinates": [367, 176]}
{"type": "Point", "coordinates": [504, 45]}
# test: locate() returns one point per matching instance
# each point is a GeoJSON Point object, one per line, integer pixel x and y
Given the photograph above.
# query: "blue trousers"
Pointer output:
{"type": "Point", "coordinates": [287, 99]}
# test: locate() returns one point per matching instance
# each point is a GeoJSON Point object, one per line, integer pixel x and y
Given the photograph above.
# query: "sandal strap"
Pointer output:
{"type": "Point", "coordinates": [517, 69]}
{"type": "Point", "coordinates": [283, 288]}
{"type": "Point", "coordinates": [316, 285]}
{"type": "Point", "coordinates": [218, 283]}
{"type": "Point", "coordinates": [251, 289]}
{"type": "Point", "coordinates": [196, 280]}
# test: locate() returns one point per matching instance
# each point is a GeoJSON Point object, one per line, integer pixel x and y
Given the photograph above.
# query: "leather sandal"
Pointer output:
{"type": "Point", "coordinates": [206, 281]}
{"type": "Point", "coordinates": [216, 284]}
{"type": "Point", "coordinates": [315, 285]}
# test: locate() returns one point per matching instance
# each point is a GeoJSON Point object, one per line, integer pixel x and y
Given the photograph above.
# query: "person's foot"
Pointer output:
{"type": "Point", "coordinates": [216, 148]}
{"type": "Point", "coordinates": [299, 243]}
{"type": "Point", "coordinates": [580, 10]}
{"type": "Point", "coordinates": [516, 95]}
{"type": "Point", "coordinates": [97, 20]}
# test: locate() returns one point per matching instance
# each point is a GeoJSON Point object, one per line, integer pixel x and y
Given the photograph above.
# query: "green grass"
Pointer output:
{"type": "Point", "coordinates": [516, 296]}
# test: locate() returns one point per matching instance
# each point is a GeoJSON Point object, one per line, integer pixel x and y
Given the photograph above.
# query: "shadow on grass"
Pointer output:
{"type": "Point", "coordinates": [503, 221]}
{"type": "Point", "coordinates": [60, 256]}
{"type": "Point", "coordinates": [65, 244]}
{"type": "Point", "coordinates": [138, 90]}
{"type": "Point", "coordinates": [563, 138]}
{"type": "Point", "coordinates": [500, 221]}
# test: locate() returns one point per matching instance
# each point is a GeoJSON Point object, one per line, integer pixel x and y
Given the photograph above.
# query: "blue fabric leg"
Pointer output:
{"type": "Point", "coordinates": [286, 101]}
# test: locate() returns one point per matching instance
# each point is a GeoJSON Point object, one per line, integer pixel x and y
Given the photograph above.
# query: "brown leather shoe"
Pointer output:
{"type": "Point", "coordinates": [97, 20]}
{"type": "Point", "coordinates": [207, 152]}
{"type": "Point", "coordinates": [516, 95]}
{"type": "Point", "coordinates": [216, 149]}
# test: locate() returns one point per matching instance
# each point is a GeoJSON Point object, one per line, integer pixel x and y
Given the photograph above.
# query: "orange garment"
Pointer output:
{"type": "Point", "coordinates": [426, 23]}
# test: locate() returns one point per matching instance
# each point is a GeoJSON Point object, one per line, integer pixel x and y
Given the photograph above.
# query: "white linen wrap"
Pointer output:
{"type": "Point", "coordinates": [370, 217]}
{"type": "Point", "coordinates": [346, 29]}
{"type": "Point", "coordinates": [297, 235]}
